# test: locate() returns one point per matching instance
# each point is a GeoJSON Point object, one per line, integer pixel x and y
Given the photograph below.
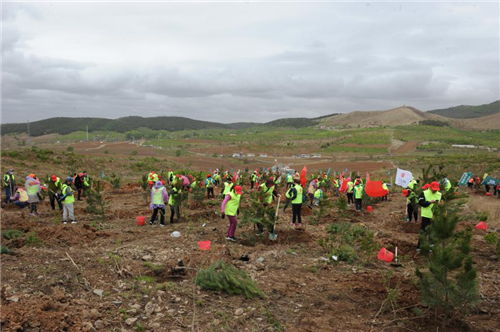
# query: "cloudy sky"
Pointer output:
{"type": "Point", "coordinates": [244, 61]}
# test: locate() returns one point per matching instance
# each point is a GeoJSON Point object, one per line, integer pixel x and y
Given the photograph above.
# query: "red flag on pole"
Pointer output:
{"type": "Point", "coordinates": [303, 179]}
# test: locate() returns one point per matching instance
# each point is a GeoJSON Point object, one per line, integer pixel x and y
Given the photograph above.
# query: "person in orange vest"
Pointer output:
{"type": "Point", "coordinates": [470, 183]}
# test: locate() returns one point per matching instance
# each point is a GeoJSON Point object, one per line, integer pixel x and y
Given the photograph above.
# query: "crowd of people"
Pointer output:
{"type": "Point", "coordinates": [298, 192]}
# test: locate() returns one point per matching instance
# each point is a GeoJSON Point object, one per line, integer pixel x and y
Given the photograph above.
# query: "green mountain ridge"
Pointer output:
{"type": "Point", "coordinates": [469, 112]}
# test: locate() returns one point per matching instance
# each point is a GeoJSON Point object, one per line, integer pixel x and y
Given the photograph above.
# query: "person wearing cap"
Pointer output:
{"type": "Point", "coordinates": [55, 185]}
{"type": "Point", "coordinates": [295, 195]}
{"type": "Point", "coordinates": [350, 191]}
{"type": "Point", "coordinates": [231, 207]}
{"type": "Point", "coordinates": [68, 200]}
{"type": "Point", "coordinates": [358, 195]}
{"type": "Point", "coordinates": [159, 196]}
{"type": "Point", "coordinates": [426, 200]}
{"type": "Point", "coordinates": [209, 184]}
{"type": "Point", "coordinates": [174, 200]}
{"type": "Point", "coordinates": [9, 183]}
{"type": "Point", "coordinates": [33, 189]}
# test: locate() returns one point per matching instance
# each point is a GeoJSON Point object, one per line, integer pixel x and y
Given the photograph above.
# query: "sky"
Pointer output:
{"type": "Point", "coordinates": [244, 61]}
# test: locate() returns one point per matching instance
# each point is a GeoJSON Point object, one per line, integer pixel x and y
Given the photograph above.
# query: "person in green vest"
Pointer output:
{"type": "Point", "coordinates": [385, 187]}
{"type": "Point", "coordinates": [289, 180]}
{"type": "Point", "coordinates": [267, 192]}
{"type": "Point", "coordinates": [318, 196]}
{"type": "Point", "coordinates": [447, 184]}
{"type": "Point", "coordinates": [228, 186]}
{"type": "Point", "coordinates": [210, 184]}
{"type": "Point", "coordinates": [350, 192]}
{"type": "Point", "coordinates": [9, 184]}
{"type": "Point", "coordinates": [55, 186]}
{"type": "Point", "coordinates": [33, 189]}
{"type": "Point", "coordinates": [358, 195]}
{"type": "Point", "coordinates": [231, 207]}
{"type": "Point", "coordinates": [86, 184]}
{"type": "Point", "coordinates": [170, 176]}
{"type": "Point", "coordinates": [253, 179]}
{"type": "Point", "coordinates": [217, 179]}
{"type": "Point", "coordinates": [426, 200]}
{"type": "Point", "coordinates": [295, 195]}
{"type": "Point", "coordinates": [159, 196]}
{"type": "Point", "coordinates": [336, 186]}
{"type": "Point", "coordinates": [68, 200]}
{"type": "Point", "coordinates": [174, 200]}
{"type": "Point", "coordinates": [412, 184]}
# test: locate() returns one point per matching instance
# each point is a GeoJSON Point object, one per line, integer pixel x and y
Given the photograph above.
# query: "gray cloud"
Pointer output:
{"type": "Point", "coordinates": [245, 62]}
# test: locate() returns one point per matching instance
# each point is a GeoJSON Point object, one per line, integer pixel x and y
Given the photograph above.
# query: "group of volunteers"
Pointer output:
{"type": "Point", "coordinates": [175, 187]}
{"type": "Point", "coordinates": [32, 192]}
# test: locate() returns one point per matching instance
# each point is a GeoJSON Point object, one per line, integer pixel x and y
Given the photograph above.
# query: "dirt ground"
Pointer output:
{"type": "Point", "coordinates": [85, 277]}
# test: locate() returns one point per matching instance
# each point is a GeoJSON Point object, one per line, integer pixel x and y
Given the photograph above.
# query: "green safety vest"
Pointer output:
{"type": "Point", "coordinates": [358, 191]}
{"type": "Point", "coordinates": [233, 204]}
{"type": "Point", "coordinates": [86, 181]}
{"type": "Point", "coordinates": [6, 179]}
{"type": "Point", "coordinates": [70, 198]}
{"type": "Point", "coordinates": [299, 198]}
{"type": "Point", "coordinates": [447, 185]}
{"type": "Point", "coordinates": [267, 193]}
{"type": "Point", "coordinates": [175, 197]}
{"type": "Point", "coordinates": [227, 188]}
{"type": "Point", "coordinates": [170, 175]}
{"type": "Point", "coordinates": [155, 177]}
{"type": "Point", "coordinates": [210, 183]}
{"type": "Point", "coordinates": [384, 186]}
{"type": "Point", "coordinates": [318, 193]}
{"type": "Point", "coordinates": [412, 183]}
{"type": "Point", "coordinates": [429, 196]}
{"type": "Point", "coordinates": [193, 185]}
{"type": "Point", "coordinates": [32, 190]}
{"type": "Point", "coordinates": [158, 196]}
{"type": "Point", "coordinates": [350, 187]}
{"type": "Point", "coordinates": [289, 178]}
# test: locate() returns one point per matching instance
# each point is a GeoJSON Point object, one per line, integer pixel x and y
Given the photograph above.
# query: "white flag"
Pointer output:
{"type": "Point", "coordinates": [403, 178]}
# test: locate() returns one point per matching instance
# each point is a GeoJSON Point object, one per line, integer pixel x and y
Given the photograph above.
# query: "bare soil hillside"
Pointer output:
{"type": "Point", "coordinates": [404, 115]}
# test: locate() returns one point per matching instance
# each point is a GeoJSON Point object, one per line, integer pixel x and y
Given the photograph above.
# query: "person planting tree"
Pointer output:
{"type": "Point", "coordinates": [358, 195]}
{"type": "Point", "coordinates": [295, 195]}
{"type": "Point", "coordinates": [68, 199]}
{"type": "Point", "coordinates": [174, 200]}
{"type": "Point", "coordinates": [426, 200]}
{"type": "Point", "coordinates": [231, 207]}
{"type": "Point", "coordinates": [159, 196]}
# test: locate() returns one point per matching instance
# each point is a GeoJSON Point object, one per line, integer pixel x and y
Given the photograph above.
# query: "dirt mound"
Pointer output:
{"type": "Point", "coordinates": [69, 235]}
{"type": "Point", "coordinates": [404, 115]}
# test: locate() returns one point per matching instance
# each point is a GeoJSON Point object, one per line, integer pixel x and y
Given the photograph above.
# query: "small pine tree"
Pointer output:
{"type": "Point", "coordinates": [225, 277]}
{"type": "Point", "coordinates": [257, 212]}
{"type": "Point", "coordinates": [145, 187]}
{"type": "Point", "coordinates": [323, 207]}
{"type": "Point", "coordinates": [341, 205]}
{"type": "Point", "coordinates": [448, 279]}
{"type": "Point", "coordinates": [115, 181]}
{"type": "Point", "coordinates": [95, 202]}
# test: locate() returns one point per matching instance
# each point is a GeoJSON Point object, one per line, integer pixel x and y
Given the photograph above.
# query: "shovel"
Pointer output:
{"type": "Point", "coordinates": [396, 261]}
{"type": "Point", "coordinates": [274, 236]}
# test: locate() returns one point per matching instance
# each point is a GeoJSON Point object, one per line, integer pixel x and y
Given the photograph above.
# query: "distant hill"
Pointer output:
{"type": "Point", "coordinates": [68, 125]}
{"type": "Point", "coordinates": [291, 122]}
{"type": "Point", "coordinates": [469, 112]}
{"type": "Point", "coordinates": [400, 116]}
{"type": "Point", "coordinates": [490, 122]}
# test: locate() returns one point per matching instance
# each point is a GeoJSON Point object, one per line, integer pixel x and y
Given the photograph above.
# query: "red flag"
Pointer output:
{"type": "Point", "coordinates": [343, 185]}
{"type": "Point", "coordinates": [375, 189]}
{"type": "Point", "coordinates": [303, 179]}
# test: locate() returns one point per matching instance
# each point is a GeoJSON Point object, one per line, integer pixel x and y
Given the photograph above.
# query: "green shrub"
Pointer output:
{"type": "Point", "coordinates": [12, 234]}
{"type": "Point", "coordinates": [33, 240]}
{"type": "Point", "coordinates": [225, 277]}
{"type": "Point", "coordinates": [6, 250]}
